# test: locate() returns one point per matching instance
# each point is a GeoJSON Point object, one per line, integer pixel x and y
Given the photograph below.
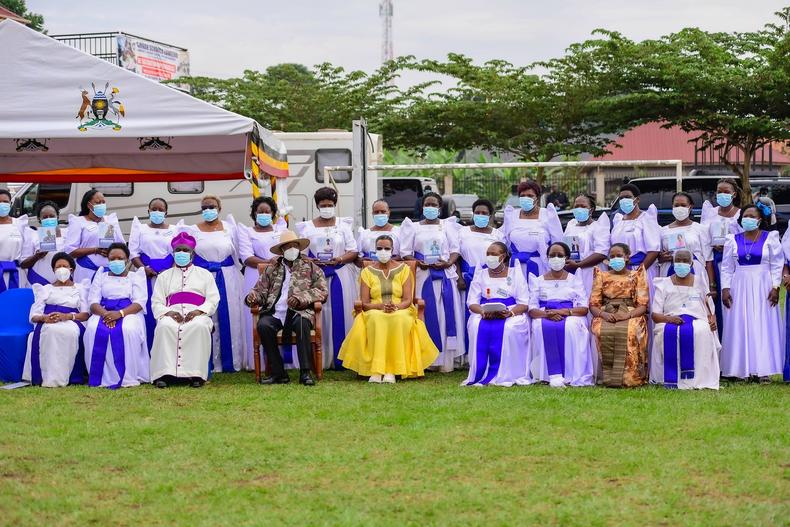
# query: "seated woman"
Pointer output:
{"type": "Point", "coordinates": [560, 338]}
{"type": "Point", "coordinates": [685, 343]}
{"type": "Point", "coordinates": [54, 349]}
{"type": "Point", "coordinates": [116, 351]}
{"type": "Point", "coordinates": [618, 303]}
{"type": "Point", "coordinates": [498, 339]}
{"type": "Point", "coordinates": [387, 339]}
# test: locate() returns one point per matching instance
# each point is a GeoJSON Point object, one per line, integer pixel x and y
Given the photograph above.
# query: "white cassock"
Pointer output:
{"type": "Point", "coordinates": [183, 350]}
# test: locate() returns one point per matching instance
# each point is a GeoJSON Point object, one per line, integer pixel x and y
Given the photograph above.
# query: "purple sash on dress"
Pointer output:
{"type": "Point", "coordinates": [158, 265]}
{"type": "Point", "coordinates": [554, 337]}
{"type": "Point", "coordinates": [432, 308]}
{"type": "Point", "coordinates": [750, 253]}
{"type": "Point", "coordinates": [10, 267]}
{"type": "Point", "coordinates": [671, 333]}
{"type": "Point", "coordinates": [338, 311]}
{"type": "Point", "coordinates": [525, 257]}
{"type": "Point", "coordinates": [34, 278]}
{"type": "Point", "coordinates": [87, 263]}
{"type": "Point", "coordinates": [185, 297]}
{"type": "Point", "coordinates": [490, 336]}
{"type": "Point", "coordinates": [115, 338]}
{"type": "Point", "coordinates": [636, 260]}
{"type": "Point", "coordinates": [78, 372]}
{"type": "Point", "coordinates": [223, 311]}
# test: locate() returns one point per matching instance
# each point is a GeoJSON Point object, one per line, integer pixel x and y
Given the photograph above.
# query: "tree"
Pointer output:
{"type": "Point", "coordinates": [19, 7]}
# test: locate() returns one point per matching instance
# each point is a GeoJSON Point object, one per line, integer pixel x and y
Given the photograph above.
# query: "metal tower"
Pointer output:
{"type": "Point", "coordinates": [385, 13]}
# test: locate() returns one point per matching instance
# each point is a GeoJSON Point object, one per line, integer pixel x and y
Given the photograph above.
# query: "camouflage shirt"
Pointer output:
{"type": "Point", "coordinates": [307, 284]}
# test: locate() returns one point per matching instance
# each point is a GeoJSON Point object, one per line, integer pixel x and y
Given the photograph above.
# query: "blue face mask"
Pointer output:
{"type": "Point", "coordinates": [264, 219]}
{"type": "Point", "coordinates": [682, 269]}
{"type": "Point", "coordinates": [99, 210]}
{"type": "Point", "coordinates": [724, 199]}
{"type": "Point", "coordinates": [182, 258]}
{"type": "Point", "coordinates": [526, 203]}
{"type": "Point", "coordinates": [117, 267]}
{"type": "Point", "coordinates": [750, 224]}
{"type": "Point", "coordinates": [380, 220]}
{"type": "Point", "coordinates": [210, 214]}
{"type": "Point", "coordinates": [627, 205]}
{"type": "Point", "coordinates": [49, 223]}
{"type": "Point", "coordinates": [581, 214]}
{"type": "Point", "coordinates": [157, 217]}
{"type": "Point", "coordinates": [481, 220]}
{"type": "Point", "coordinates": [5, 209]}
{"type": "Point", "coordinates": [617, 264]}
{"type": "Point", "coordinates": [430, 213]}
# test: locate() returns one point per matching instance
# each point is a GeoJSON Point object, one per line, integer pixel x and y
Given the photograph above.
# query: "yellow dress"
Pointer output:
{"type": "Point", "coordinates": [380, 342]}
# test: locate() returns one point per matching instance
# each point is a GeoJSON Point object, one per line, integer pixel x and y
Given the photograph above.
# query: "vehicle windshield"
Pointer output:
{"type": "Point", "coordinates": [401, 194]}
{"type": "Point", "coordinates": [465, 201]}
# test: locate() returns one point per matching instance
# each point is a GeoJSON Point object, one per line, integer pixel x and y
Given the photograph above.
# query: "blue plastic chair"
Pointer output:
{"type": "Point", "coordinates": [15, 327]}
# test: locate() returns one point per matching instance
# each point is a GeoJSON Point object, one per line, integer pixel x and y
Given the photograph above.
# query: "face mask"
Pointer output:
{"type": "Point", "coordinates": [380, 220]}
{"type": "Point", "coordinates": [481, 220]}
{"type": "Point", "coordinates": [526, 203]}
{"type": "Point", "coordinates": [430, 213]}
{"type": "Point", "coordinates": [182, 258]}
{"type": "Point", "coordinates": [724, 199]}
{"type": "Point", "coordinates": [263, 219]}
{"type": "Point", "coordinates": [327, 212]}
{"type": "Point", "coordinates": [99, 210]}
{"type": "Point", "coordinates": [681, 213]}
{"type": "Point", "coordinates": [117, 267]}
{"type": "Point", "coordinates": [682, 269]}
{"type": "Point", "coordinates": [62, 274]}
{"type": "Point", "coordinates": [5, 209]}
{"type": "Point", "coordinates": [291, 254]}
{"type": "Point", "coordinates": [49, 223]}
{"type": "Point", "coordinates": [384, 255]}
{"type": "Point", "coordinates": [627, 205]}
{"type": "Point", "coordinates": [617, 264]}
{"type": "Point", "coordinates": [556, 264]}
{"type": "Point", "coordinates": [157, 217]}
{"type": "Point", "coordinates": [750, 224]}
{"type": "Point", "coordinates": [492, 261]}
{"type": "Point", "coordinates": [581, 214]}
{"type": "Point", "coordinates": [210, 214]}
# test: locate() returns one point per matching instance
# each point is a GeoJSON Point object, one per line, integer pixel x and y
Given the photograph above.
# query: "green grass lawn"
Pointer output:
{"type": "Point", "coordinates": [418, 453]}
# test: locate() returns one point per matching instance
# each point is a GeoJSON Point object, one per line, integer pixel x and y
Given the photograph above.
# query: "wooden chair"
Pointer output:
{"type": "Point", "coordinates": [420, 303]}
{"type": "Point", "coordinates": [315, 339]}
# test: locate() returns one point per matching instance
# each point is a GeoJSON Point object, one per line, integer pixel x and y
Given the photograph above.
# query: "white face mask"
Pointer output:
{"type": "Point", "coordinates": [327, 212]}
{"type": "Point", "coordinates": [492, 261]}
{"type": "Point", "coordinates": [62, 274]}
{"type": "Point", "coordinates": [291, 254]}
{"type": "Point", "coordinates": [681, 213]}
{"type": "Point", "coordinates": [383, 255]}
{"type": "Point", "coordinates": [557, 263]}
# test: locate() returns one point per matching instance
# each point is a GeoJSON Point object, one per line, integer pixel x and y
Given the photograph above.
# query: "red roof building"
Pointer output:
{"type": "Point", "coordinates": [5, 13]}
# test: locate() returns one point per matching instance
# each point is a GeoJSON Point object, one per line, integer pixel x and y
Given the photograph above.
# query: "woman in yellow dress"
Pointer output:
{"type": "Point", "coordinates": [387, 338]}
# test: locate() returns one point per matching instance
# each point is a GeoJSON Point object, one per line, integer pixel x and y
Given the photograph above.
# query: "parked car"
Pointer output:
{"type": "Point", "coordinates": [403, 195]}
{"type": "Point", "coordinates": [463, 206]}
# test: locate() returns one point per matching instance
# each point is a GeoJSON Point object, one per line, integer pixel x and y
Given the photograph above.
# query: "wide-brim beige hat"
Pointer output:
{"type": "Point", "coordinates": [288, 237]}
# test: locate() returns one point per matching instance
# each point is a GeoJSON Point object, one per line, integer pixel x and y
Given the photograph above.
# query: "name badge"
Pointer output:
{"type": "Point", "coordinates": [502, 293]}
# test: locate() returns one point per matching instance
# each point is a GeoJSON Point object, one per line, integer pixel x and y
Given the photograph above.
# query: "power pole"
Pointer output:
{"type": "Point", "coordinates": [385, 13]}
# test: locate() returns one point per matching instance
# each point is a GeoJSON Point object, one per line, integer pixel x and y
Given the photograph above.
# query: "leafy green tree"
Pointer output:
{"type": "Point", "coordinates": [19, 7]}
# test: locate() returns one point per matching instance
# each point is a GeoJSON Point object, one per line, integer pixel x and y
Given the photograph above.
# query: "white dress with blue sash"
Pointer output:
{"type": "Point", "coordinates": [529, 239]}
{"type": "Point", "coordinates": [84, 233]}
{"type": "Point", "coordinates": [593, 238]}
{"type": "Point", "coordinates": [41, 273]}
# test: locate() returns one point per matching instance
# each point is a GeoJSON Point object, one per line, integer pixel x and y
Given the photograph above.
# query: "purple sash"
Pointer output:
{"type": "Point", "coordinates": [158, 265]}
{"type": "Point", "coordinates": [488, 346]}
{"type": "Point", "coordinates": [185, 297]}
{"type": "Point", "coordinates": [87, 263]}
{"type": "Point", "coordinates": [338, 311]}
{"type": "Point", "coordinates": [432, 308]}
{"type": "Point", "coordinates": [686, 333]}
{"type": "Point", "coordinates": [786, 368]}
{"type": "Point", "coordinates": [750, 253]}
{"type": "Point", "coordinates": [78, 372]}
{"type": "Point", "coordinates": [223, 311]}
{"type": "Point", "coordinates": [10, 267]}
{"type": "Point", "coordinates": [34, 278]}
{"type": "Point", "coordinates": [115, 338]}
{"type": "Point", "coordinates": [636, 260]}
{"type": "Point", "coordinates": [525, 257]}
{"type": "Point", "coordinates": [554, 337]}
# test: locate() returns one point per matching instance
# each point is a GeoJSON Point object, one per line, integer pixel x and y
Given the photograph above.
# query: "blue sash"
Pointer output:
{"type": "Point", "coordinates": [225, 341]}
{"type": "Point", "coordinates": [432, 308]}
{"type": "Point", "coordinates": [554, 337]}
{"type": "Point", "coordinates": [78, 372]}
{"type": "Point", "coordinates": [10, 267]}
{"type": "Point", "coordinates": [158, 265]}
{"type": "Point", "coordinates": [786, 369]}
{"type": "Point", "coordinates": [34, 278]}
{"type": "Point", "coordinates": [468, 273]}
{"type": "Point", "coordinates": [87, 263]}
{"type": "Point", "coordinates": [488, 346]}
{"type": "Point", "coordinates": [636, 259]}
{"type": "Point", "coordinates": [671, 333]}
{"type": "Point", "coordinates": [338, 311]}
{"type": "Point", "coordinates": [525, 257]}
{"type": "Point", "coordinates": [717, 258]}
{"type": "Point", "coordinates": [114, 337]}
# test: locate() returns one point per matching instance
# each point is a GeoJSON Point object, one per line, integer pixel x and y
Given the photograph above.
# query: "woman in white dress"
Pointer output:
{"type": "Point", "coordinates": [149, 245]}
{"type": "Point", "coordinates": [90, 235]}
{"type": "Point", "coordinates": [366, 238]}
{"type": "Point", "coordinates": [55, 352]}
{"type": "Point", "coordinates": [36, 261]}
{"type": "Point", "coordinates": [12, 231]}
{"type": "Point", "coordinates": [531, 229]}
{"type": "Point", "coordinates": [587, 239]}
{"type": "Point", "coordinates": [751, 274]}
{"type": "Point", "coordinates": [639, 230]}
{"type": "Point", "coordinates": [685, 344]}
{"type": "Point", "coordinates": [786, 284]}
{"type": "Point", "coordinates": [217, 251]}
{"type": "Point", "coordinates": [333, 249]}
{"type": "Point", "coordinates": [116, 352]}
{"type": "Point", "coordinates": [431, 243]}
{"type": "Point", "coordinates": [498, 340]}
{"type": "Point", "coordinates": [254, 248]}
{"type": "Point", "coordinates": [561, 354]}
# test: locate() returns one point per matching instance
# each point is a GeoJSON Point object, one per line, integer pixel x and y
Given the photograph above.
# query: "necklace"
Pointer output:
{"type": "Point", "coordinates": [749, 247]}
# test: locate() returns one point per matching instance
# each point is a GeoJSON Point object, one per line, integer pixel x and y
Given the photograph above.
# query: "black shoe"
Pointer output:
{"type": "Point", "coordinates": [306, 379]}
{"type": "Point", "coordinates": [160, 384]}
{"type": "Point", "coordinates": [197, 382]}
{"type": "Point", "coordinates": [275, 380]}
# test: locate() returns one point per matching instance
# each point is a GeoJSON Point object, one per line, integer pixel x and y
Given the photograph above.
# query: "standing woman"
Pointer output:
{"type": "Point", "coordinates": [217, 251]}
{"type": "Point", "coordinates": [531, 229]}
{"type": "Point", "coordinates": [618, 304]}
{"type": "Point", "coordinates": [474, 240]}
{"type": "Point", "coordinates": [561, 353]}
{"type": "Point", "coordinates": [587, 239]}
{"type": "Point", "coordinates": [149, 245]}
{"type": "Point", "coordinates": [366, 238]}
{"type": "Point", "coordinates": [12, 233]}
{"type": "Point", "coordinates": [638, 230]}
{"type": "Point", "coordinates": [786, 283]}
{"type": "Point", "coordinates": [116, 351]}
{"type": "Point", "coordinates": [498, 340]}
{"type": "Point", "coordinates": [82, 238]}
{"type": "Point", "coordinates": [333, 248]}
{"type": "Point", "coordinates": [37, 262]}
{"type": "Point", "coordinates": [254, 248]}
{"type": "Point", "coordinates": [431, 243]}
{"type": "Point", "coordinates": [751, 274]}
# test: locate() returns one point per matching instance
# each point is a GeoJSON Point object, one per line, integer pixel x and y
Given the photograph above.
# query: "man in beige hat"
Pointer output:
{"type": "Point", "coordinates": [286, 292]}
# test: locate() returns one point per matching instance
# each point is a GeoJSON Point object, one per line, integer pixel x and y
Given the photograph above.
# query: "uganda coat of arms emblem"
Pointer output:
{"type": "Point", "coordinates": [98, 111]}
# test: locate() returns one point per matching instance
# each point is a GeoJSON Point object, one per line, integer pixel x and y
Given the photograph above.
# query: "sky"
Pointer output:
{"type": "Point", "coordinates": [224, 38]}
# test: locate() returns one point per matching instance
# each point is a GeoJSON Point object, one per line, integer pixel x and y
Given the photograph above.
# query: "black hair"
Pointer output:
{"type": "Point", "coordinates": [589, 198]}
{"type": "Point", "coordinates": [41, 204]}
{"type": "Point", "coordinates": [257, 203]}
{"type": "Point", "coordinates": [86, 198]}
{"type": "Point", "coordinates": [529, 184]}
{"type": "Point", "coordinates": [6, 192]}
{"type": "Point", "coordinates": [624, 246]}
{"type": "Point", "coordinates": [685, 195]}
{"type": "Point", "coordinates": [736, 200]}
{"type": "Point", "coordinates": [325, 193]}
{"type": "Point", "coordinates": [565, 248]}
{"type": "Point", "coordinates": [119, 245]}
{"type": "Point", "coordinates": [431, 195]}
{"type": "Point", "coordinates": [633, 189]}
{"type": "Point", "coordinates": [163, 200]}
{"type": "Point", "coordinates": [385, 237]}
{"type": "Point", "coordinates": [63, 256]}
{"type": "Point", "coordinates": [505, 248]}
{"type": "Point", "coordinates": [486, 203]}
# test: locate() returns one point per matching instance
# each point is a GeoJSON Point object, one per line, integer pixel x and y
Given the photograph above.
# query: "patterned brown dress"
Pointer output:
{"type": "Point", "coordinates": [622, 345]}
